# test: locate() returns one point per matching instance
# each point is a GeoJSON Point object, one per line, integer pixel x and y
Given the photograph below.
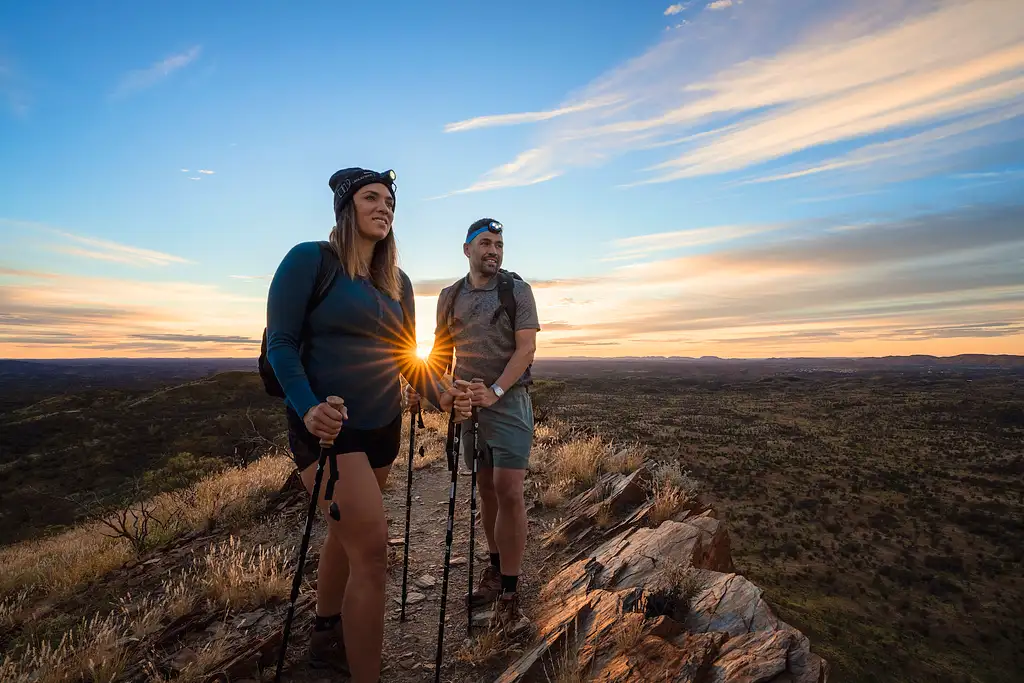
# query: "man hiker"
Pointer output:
{"type": "Point", "coordinates": [489, 319]}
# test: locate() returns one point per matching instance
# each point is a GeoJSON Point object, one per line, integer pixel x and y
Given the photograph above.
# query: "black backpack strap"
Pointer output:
{"type": "Point", "coordinates": [326, 273]}
{"type": "Point", "coordinates": [507, 297]}
{"type": "Point", "coordinates": [444, 344]}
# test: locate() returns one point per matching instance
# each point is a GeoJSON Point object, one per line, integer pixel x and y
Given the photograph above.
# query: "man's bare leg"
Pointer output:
{"type": "Point", "coordinates": [510, 525]}
{"type": "Point", "coordinates": [488, 505]}
{"type": "Point", "coordinates": [510, 532]}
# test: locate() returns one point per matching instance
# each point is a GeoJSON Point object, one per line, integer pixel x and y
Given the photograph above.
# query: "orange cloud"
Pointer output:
{"type": "Point", "coordinates": [947, 282]}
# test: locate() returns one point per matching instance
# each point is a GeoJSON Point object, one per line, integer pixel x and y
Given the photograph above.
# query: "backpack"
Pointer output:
{"type": "Point", "coordinates": [326, 271]}
{"type": "Point", "coordinates": [444, 345]}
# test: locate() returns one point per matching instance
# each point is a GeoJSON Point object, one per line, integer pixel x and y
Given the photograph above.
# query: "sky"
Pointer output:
{"type": "Point", "coordinates": [741, 178]}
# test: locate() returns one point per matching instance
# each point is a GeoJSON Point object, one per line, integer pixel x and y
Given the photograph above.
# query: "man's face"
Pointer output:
{"type": "Point", "coordinates": [485, 253]}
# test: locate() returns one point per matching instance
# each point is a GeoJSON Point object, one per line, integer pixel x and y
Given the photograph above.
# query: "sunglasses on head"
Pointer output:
{"type": "Point", "coordinates": [494, 227]}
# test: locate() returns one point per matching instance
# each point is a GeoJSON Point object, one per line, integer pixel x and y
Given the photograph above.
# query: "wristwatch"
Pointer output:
{"type": "Point", "coordinates": [498, 391]}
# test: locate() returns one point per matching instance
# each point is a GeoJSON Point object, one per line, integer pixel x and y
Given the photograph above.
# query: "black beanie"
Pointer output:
{"type": "Point", "coordinates": [347, 181]}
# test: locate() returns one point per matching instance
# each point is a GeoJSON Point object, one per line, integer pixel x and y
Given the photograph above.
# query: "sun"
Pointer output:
{"type": "Point", "coordinates": [423, 351]}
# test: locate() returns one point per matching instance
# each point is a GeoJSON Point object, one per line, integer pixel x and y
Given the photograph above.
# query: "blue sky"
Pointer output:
{"type": "Point", "coordinates": [752, 178]}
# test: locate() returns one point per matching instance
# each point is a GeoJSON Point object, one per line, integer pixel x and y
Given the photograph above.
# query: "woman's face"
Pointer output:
{"type": "Point", "coordinates": [375, 210]}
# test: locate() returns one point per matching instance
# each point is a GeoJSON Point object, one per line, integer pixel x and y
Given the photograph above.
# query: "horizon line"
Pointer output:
{"type": "Point", "coordinates": [708, 357]}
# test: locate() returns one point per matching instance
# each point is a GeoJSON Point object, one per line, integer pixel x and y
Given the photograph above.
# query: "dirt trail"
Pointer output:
{"type": "Point", "coordinates": [410, 647]}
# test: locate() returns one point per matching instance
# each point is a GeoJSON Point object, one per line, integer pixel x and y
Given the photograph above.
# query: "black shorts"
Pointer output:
{"type": "Point", "coordinates": [380, 445]}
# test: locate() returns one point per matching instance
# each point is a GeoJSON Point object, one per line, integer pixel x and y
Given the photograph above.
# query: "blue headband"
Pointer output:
{"type": "Point", "coordinates": [493, 226]}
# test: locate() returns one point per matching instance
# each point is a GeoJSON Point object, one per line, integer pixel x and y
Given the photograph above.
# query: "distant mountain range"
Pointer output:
{"type": "Point", "coordinates": [966, 360]}
{"type": "Point", "coordinates": [188, 368]}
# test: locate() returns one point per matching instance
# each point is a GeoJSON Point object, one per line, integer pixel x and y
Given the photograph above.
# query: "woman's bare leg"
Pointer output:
{"type": "Point", "coordinates": [332, 568]}
{"type": "Point", "coordinates": [359, 542]}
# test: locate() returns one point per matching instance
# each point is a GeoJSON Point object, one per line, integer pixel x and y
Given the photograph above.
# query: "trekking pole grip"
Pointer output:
{"type": "Point", "coordinates": [337, 403]}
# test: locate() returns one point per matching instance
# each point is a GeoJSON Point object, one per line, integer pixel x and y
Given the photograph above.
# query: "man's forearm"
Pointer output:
{"type": "Point", "coordinates": [516, 366]}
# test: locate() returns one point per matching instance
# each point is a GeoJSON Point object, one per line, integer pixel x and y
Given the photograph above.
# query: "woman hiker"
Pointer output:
{"type": "Point", "coordinates": [355, 344]}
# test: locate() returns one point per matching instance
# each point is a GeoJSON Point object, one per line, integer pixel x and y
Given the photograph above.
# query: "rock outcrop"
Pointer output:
{"type": "Point", "coordinates": [644, 602]}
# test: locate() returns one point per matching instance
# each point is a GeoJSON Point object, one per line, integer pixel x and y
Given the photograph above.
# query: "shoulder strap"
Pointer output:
{"type": "Point", "coordinates": [444, 344]}
{"type": "Point", "coordinates": [326, 273]}
{"type": "Point", "coordinates": [507, 295]}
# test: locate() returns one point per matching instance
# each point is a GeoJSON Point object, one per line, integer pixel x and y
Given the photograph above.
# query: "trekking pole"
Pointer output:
{"type": "Point", "coordinates": [454, 436]}
{"type": "Point", "coordinates": [472, 516]}
{"type": "Point", "coordinates": [408, 504]}
{"type": "Point", "coordinates": [336, 403]}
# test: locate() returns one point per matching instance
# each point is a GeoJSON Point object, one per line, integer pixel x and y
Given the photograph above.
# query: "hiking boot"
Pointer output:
{"type": "Point", "coordinates": [488, 589]}
{"type": "Point", "coordinates": [327, 650]}
{"type": "Point", "coordinates": [508, 616]}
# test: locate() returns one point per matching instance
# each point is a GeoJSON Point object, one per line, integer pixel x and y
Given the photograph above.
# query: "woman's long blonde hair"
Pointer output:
{"type": "Point", "coordinates": [384, 273]}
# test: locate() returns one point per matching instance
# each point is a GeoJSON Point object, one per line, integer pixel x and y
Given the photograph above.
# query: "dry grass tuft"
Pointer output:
{"type": "Point", "coordinates": [180, 594]}
{"type": "Point", "coordinates": [92, 652]}
{"type": "Point", "coordinates": [54, 566]}
{"type": "Point", "coordinates": [565, 666]}
{"type": "Point", "coordinates": [668, 500]}
{"type": "Point", "coordinates": [605, 517]}
{"type": "Point", "coordinates": [673, 490]}
{"type": "Point", "coordinates": [57, 565]}
{"type": "Point", "coordinates": [673, 473]}
{"type": "Point", "coordinates": [233, 495]}
{"type": "Point", "coordinates": [627, 460]}
{"type": "Point", "coordinates": [550, 432]}
{"type": "Point", "coordinates": [678, 585]}
{"type": "Point", "coordinates": [629, 632]}
{"type": "Point", "coordinates": [556, 538]}
{"type": "Point", "coordinates": [566, 467]}
{"type": "Point", "coordinates": [555, 493]}
{"type": "Point", "coordinates": [197, 670]}
{"type": "Point", "coordinates": [241, 578]}
{"type": "Point", "coordinates": [12, 608]}
{"type": "Point", "coordinates": [578, 462]}
{"type": "Point", "coordinates": [484, 648]}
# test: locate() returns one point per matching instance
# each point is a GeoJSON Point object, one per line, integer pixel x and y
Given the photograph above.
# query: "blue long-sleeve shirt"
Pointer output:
{"type": "Point", "coordinates": [357, 343]}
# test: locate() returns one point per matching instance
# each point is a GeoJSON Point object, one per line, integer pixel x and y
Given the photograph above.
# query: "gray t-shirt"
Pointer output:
{"type": "Point", "coordinates": [483, 349]}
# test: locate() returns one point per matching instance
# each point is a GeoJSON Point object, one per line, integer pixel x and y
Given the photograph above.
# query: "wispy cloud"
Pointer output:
{"type": "Point", "coordinates": [930, 279]}
{"type": "Point", "coordinates": [628, 248]}
{"type": "Point", "coordinates": [252, 277]}
{"type": "Point", "coordinates": [849, 86]}
{"type": "Point", "coordinates": [205, 172]}
{"type": "Point", "coordinates": [95, 248]}
{"type": "Point", "coordinates": [99, 316]}
{"type": "Point", "coordinates": [674, 9]}
{"type": "Point", "coordinates": [527, 117]}
{"type": "Point", "coordinates": [199, 338]}
{"type": "Point", "coordinates": [112, 251]}
{"type": "Point", "coordinates": [719, 5]}
{"type": "Point", "coordinates": [140, 79]}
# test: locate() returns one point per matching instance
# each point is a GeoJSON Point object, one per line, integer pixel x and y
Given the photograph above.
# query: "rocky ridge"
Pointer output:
{"type": "Point", "coordinates": [646, 602]}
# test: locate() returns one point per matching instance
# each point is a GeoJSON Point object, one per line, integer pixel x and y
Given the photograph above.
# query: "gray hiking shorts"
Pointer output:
{"type": "Point", "coordinates": [506, 432]}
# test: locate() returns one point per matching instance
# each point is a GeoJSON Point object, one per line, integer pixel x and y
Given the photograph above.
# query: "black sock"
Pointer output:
{"type": "Point", "coordinates": [326, 623]}
{"type": "Point", "coordinates": [509, 583]}
{"type": "Point", "coordinates": [495, 562]}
